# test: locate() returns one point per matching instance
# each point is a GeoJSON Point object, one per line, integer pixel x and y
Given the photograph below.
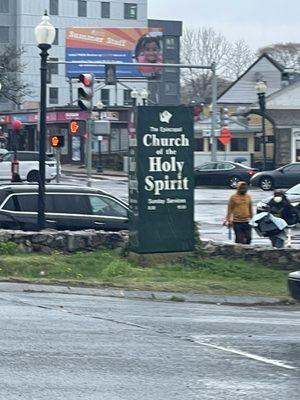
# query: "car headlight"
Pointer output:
{"type": "Point", "coordinates": [261, 205]}
{"type": "Point", "coordinates": [295, 204]}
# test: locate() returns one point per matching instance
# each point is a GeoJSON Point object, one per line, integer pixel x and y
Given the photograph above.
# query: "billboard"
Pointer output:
{"type": "Point", "coordinates": [121, 45]}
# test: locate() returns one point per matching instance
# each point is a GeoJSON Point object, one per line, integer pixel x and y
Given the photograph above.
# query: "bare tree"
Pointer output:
{"type": "Point", "coordinates": [238, 59]}
{"type": "Point", "coordinates": [202, 46]}
{"type": "Point", "coordinates": [287, 54]}
{"type": "Point", "coordinates": [12, 88]}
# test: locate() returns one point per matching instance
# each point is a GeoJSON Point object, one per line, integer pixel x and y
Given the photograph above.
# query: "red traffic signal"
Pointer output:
{"type": "Point", "coordinates": [87, 79]}
{"type": "Point", "coordinates": [57, 141]}
{"type": "Point", "coordinates": [85, 93]}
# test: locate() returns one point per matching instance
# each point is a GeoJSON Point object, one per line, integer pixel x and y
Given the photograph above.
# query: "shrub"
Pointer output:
{"type": "Point", "coordinates": [8, 248]}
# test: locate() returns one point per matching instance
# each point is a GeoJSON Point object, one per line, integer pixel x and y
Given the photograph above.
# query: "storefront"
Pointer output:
{"type": "Point", "coordinates": [113, 146]}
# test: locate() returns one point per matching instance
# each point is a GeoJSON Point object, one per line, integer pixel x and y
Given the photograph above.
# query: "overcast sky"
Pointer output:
{"type": "Point", "coordinates": [258, 22]}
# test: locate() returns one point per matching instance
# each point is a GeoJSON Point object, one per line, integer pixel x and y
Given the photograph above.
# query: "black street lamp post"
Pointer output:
{"type": "Point", "coordinates": [261, 89]}
{"type": "Point", "coordinates": [45, 35]}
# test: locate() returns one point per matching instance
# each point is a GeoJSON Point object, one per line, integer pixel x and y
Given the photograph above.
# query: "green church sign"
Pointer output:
{"type": "Point", "coordinates": [161, 182]}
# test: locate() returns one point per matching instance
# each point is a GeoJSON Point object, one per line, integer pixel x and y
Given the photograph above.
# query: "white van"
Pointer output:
{"type": "Point", "coordinates": [28, 166]}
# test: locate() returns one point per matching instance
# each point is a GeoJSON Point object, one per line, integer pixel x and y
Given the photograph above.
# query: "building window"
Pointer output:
{"type": "Point", "coordinates": [4, 6]}
{"type": "Point", "coordinates": [127, 100]}
{"type": "Point", "coordinates": [170, 43]}
{"type": "Point", "coordinates": [53, 95]}
{"type": "Point", "coordinates": [130, 11]}
{"type": "Point", "coordinates": [239, 144]}
{"type": "Point", "coordinates": [53, 7]}
{"type": "Point", "coordinates": [170, 88]}
{"type": "Point", "coordinates": [82, 8]}
{"type": "Point", "coordinates": [257, 144]}
{"type": "Point", "coordinates": [52, 69]}
{"type": "Point", "coordinates": [4, 34]}
{"type": "Point", "coordinates": [56, 41]}
{"type": "Point", "coordinates": [199, 144]}
{"type": "Point", "coordinates": [105, 9]}
{"type": "Point", "coordinates": [105, 96]}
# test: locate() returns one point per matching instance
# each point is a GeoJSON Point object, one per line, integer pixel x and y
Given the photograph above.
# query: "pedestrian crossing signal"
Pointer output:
{"type": "Point", "coordinates": [57, 141]}
{"type": "Point", "coordinates": [77, 127]}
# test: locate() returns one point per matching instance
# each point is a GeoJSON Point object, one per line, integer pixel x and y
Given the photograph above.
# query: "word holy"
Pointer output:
{"type": "Point", "coordinates": [158, 185]}
{"type": "Point", "coordinates": [157, 165]}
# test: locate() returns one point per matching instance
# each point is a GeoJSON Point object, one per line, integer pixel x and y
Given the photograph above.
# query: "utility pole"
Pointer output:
{"type": "Point", "coordinates": [214, 114]}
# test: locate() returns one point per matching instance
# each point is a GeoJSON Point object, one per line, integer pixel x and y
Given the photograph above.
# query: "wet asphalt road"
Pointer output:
{"type": "Point", "coordinates": [69, 347]}
{"type": "Point", "coordinates": [210, 206]}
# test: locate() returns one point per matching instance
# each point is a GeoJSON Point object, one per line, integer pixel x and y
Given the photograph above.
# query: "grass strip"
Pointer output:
{"type": "Point", "coordinates": [213, 275]}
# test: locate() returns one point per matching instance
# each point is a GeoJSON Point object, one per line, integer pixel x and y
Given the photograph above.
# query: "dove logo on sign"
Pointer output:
{"type": "Point", "coordinates": [165, 116]}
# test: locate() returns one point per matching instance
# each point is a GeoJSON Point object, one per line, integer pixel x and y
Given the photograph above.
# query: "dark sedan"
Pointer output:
{"type": "Point", "coordinates": [67, 208]}
{"type": "Point", "coordinates": [222, 173]}
{"type": "Point", "coordinates": [283, 177]}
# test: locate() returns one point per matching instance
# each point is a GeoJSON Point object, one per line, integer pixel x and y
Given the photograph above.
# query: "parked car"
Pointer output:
{"type": "Point", "coordinates": [67, 208]}
{"type": "Point", "coordinates": [28, 166]}
{"type": "Point", "coordinates": [293, 195]}
{"type": "Point", "coordinates": [223, 173]}
{"type": "Point", "coordinates": [283, 177]}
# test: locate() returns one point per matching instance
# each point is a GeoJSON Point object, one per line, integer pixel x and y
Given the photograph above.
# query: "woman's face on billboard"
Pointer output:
{"type": "Point", "coordinates": [151, 52]}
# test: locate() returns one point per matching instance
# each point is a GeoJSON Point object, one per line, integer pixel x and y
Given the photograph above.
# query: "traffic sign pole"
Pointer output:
{"type": "Point", "coordinates": [214, 114]}
{"type": "Point", "coordinates": [57, 156]}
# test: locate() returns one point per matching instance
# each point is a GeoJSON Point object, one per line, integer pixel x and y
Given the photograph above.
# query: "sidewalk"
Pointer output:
{"type": "Point", "coordinates": [80, 171]}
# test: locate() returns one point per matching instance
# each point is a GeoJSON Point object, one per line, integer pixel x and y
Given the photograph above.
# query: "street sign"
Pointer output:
{"type": "Point", "coordinates": [162, 218]}
{"type": "Point", "coordinates": [225, 136]}
{"type": "Point", "coordinates": [101, 128]}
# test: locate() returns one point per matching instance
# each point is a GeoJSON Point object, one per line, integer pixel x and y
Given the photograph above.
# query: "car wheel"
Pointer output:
{"type": "Point", "coordinates": [33, 176]}
{"type": "Point", "coordinates": [266, 183]}
{"type": "Point", "coordinates": [233, 181]}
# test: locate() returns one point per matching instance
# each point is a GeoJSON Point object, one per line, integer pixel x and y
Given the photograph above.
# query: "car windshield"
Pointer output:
{"type": "Point", "coordinates": [295, 190]}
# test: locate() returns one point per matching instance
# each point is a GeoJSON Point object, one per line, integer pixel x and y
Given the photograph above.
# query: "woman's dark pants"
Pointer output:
{"type": "Point", "coordinates": [242, 232]}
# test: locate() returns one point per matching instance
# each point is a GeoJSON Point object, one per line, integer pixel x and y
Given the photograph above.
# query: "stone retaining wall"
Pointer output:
{"type": "Point", "coordinates": [287, 258]}
{"type": "Point", "coordinates": [70, 241]}
{"type": "Point", "coordinates": [66, 241]}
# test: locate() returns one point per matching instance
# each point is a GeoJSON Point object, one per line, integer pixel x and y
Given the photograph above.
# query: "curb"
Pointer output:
{"type": "Point", "coordinates": [9, 287]}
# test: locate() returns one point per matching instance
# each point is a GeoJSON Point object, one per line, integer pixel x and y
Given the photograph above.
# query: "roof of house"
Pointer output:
{"type": "Point", "coordinates": [242, 90]}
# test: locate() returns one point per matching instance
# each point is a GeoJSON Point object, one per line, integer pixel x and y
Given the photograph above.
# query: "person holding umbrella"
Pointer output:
{"type": "Point", "coordinates": [239, 213]}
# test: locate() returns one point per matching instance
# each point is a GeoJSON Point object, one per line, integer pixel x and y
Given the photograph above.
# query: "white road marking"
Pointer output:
{"type": "Point", "coordinates": [248, 355]}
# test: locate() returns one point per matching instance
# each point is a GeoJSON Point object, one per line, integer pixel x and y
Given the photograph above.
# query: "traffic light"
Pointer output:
{"type": "Point", "coordinates": [85, 93]}
{"type": "Point", "coordinates": [57, 141]}
{"type": "Point", "coordinates": [110, 75]}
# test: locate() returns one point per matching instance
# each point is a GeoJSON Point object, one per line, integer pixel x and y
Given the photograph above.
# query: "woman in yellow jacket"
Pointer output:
{"type": "Point", "coordinates": [239, 213]}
